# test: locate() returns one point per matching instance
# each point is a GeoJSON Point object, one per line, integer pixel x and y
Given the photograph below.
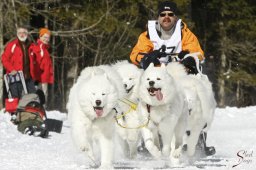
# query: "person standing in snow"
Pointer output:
{"type": "Point", "coordinates": [16, 58]}
{"type": "Point", "coordinates": [39, 50]}
{"type": "Point", "coordinates": [169, 34]}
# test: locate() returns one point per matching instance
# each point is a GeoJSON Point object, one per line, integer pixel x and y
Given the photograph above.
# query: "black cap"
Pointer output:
{"type": "Point", "coordinates": [167, 6]}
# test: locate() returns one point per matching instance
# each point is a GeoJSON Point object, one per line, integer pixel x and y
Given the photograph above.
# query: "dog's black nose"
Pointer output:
{"type": "Point", "coordinates": [151, 83]}
{"type": "Point", "coordinates": [98, 102]}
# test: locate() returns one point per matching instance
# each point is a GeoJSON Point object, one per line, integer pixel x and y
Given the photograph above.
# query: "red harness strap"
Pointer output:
{"type": "Point", "coordinates": [35, 110]}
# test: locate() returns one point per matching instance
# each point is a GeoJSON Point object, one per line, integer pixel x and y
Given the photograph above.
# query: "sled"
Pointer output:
{"type": "Point", "coordinates": [37, 108]}
{"type": "Point", "coordinates": [18, 104]}
{"type": "Point", "coordinates": [11, 103]}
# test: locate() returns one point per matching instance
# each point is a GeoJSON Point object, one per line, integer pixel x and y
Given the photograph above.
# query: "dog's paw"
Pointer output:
{"type": "Point", "coordinates": [84, 147]}
{"type": "Point", "coordinates": [166, 151]}
{"type": "Point", "coordinates": [177, 153]}
{"type": "Point", "coordinates": [158, 154]}
{"type": "Point", "coordinates": [191, 151]}
{"type": "Point", "coordinates": [154, 151]}
{"type": "Point", "coordinates": [176, 163]}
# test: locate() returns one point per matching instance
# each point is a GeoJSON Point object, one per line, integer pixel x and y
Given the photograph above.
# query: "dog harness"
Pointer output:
{"type": "Point", "coordinates": [133, 107]}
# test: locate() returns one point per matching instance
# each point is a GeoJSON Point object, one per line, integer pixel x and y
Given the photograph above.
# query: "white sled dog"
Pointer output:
{"type": "Point", "coordinates": [201, 102]}
{"type": "Point", "coordinates": [163, 103]}
{"type": "Point", "coordinates": [91, 112]}
{"type": "Point", "coordinates": [128, 123]}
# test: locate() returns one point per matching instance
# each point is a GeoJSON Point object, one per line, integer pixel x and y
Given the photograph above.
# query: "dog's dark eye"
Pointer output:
{"type": "Point", "coordinates": [147, 78]}
{"type": "Point", "coordinates": [103, 94]}
{"type": "Point", "coordinates": [130, 78]}
{"type": "Point", "coordinates": [158, 79]}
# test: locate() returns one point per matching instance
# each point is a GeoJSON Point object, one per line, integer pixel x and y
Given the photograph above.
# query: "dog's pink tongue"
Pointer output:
{"type": "Point", "coordinates": [159, 95]}
{"type": "Point", "coordinates": [99, 112]}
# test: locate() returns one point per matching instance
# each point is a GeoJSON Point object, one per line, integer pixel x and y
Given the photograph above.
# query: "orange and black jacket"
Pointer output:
{"type": "Point", "coordinates": [144, 45]}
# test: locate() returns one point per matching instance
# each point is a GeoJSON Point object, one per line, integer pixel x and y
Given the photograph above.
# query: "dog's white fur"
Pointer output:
{"type": "Point", "coordinates": [201, 102]}
{"type": "Point", "coordinates": [96, 87]}
{"type": "Point", "coordinates": [128, 134]}
{"type": "Point", "coordinates": [167, 109]}
{"type": "Point", "coordinates": [130, 75]}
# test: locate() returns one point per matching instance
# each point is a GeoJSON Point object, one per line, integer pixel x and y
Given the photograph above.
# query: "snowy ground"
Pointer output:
{"type": "Point", "coordinates": [233, 133]}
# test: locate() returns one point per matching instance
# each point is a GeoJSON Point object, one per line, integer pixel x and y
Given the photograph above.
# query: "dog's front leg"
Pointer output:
{"type": "Point", "coordinates": [106, 147]}
{"type": "Point", "coordinates": [193, 139]}
{"type": "Point", "coordinates": [81, 133]}
{"type": "Point", "coordinates": [91, 157]}
{"type": "Point", "coordinates": [148, 140]}
{"type": "Point", "coordinates": [146, 132]}
{"type": "Point", "coordinates": [166, 130]}
{"type": "Point", "coordinates": [81, 138]}
{"type": "Point", "coordinates": [180, 130]}
{"type": "Point", "coordinates": [132, 149]}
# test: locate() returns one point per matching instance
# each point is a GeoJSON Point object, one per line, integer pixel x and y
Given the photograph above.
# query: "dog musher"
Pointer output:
{"type": "Point", "coordinates": [164, 37]}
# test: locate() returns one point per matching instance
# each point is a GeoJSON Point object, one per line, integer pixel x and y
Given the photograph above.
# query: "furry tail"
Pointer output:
{"type": "Point", "coordinates": [208, 102]}
{"type": "Point", "coordinates": [176, 69]}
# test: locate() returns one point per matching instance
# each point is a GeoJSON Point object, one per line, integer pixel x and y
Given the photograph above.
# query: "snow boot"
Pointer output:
{"type": "Point", "coordinates": [201, 146]}
{"type": "Point", "coordinates": [40, 131]}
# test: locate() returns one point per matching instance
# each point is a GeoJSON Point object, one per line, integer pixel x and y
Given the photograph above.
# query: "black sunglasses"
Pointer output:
{"type": "Point", "coordinates": [164, 14]}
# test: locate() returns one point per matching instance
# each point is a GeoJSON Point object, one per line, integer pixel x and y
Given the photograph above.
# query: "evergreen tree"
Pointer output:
{"type": "Point", "coordinates": [93, 32]}
{"type": "Point", "coordinates": [231, 36]}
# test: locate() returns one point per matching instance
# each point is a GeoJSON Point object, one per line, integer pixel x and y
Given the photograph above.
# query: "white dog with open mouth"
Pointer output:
{"type": "Point", "coordinates": [163, 103]}
{"type": "Point", "coordinates": [128, 123]}
{"type": "Point", "coordinates": [201, 103]}
{"type": "Point", "coordinates": [91, 110]}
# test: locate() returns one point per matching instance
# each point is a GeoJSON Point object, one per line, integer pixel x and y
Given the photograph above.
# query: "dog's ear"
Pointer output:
{"type": "Point", "coordinates": [97, 71]}
{"type": "Point", "coordinates": [163, 65]}
{"type": "Point", "coordinates": [106, 76]}
{"type": "Point", "coordinates": [151, 65]}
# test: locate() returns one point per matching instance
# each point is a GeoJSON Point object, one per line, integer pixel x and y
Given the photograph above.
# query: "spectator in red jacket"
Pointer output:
{"type": "Point", "coordinates": [40, 51]}
{"type": "Point", "coordinates": [16, 58]}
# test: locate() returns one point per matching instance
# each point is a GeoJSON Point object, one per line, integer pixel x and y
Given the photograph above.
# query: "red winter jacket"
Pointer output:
{"type": "Point", "coordinates": [12, 59]}
{"type": "Point", "coordinates": [43, 58]}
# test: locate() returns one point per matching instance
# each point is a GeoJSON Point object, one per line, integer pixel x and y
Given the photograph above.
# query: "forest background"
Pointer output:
{"type": "Point", "coordinates": [93, 32]}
